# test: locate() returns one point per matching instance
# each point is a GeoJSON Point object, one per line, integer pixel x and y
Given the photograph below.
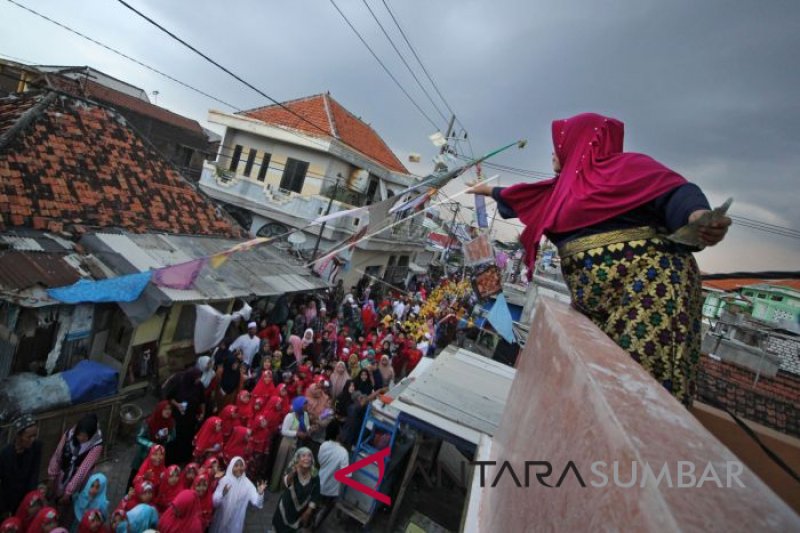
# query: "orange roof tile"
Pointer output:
{"type": "Point", "coordinates": [80, 163]}
{"type": "Point", "coordinates": [333, 121]}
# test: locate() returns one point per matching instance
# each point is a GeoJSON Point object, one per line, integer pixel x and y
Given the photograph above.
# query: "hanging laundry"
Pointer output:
{"type": "Point", "coordinates": [120, 289]}
{"type": "Point", "coordinates": [181, 276]}
{"type": "Point", "coordinates": [211, 325]}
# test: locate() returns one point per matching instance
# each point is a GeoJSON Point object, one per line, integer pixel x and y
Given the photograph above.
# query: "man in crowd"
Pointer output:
{"type": "Point", "coordinates": [248, 343]}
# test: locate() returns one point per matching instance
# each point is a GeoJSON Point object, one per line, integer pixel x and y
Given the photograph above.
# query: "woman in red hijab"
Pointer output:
{"type": "Point", "coordinates": [608, 213]}
{"type": "Point", "coordinates": [238, 445]}
{"type": "Point", "coordinates": [11, 525]}
{"type": "Point", "coordinates": [189, 473]}
{"type": "Point", "coordinates": [265, 387]}
{"type": "Point", "coordinates": [29, 507]}
{"type": "Point", "coordinates": [204, 488]}
{"type": "Point", "coordinates": [209, 439]}
{"type": "Point", "coordinates": [244, 406]}
{"type": "Point", "coordinates": [92, 522]}
{"type": "Point", "coordinates": [143, 491]}
{"type": "Point", "coordinates": [259, 445]}
{"type": "Point", "coordinates": [230, 419]}
{"type": "Point", "coordinates": [45, 521]}
{"type": "Point", "coordinates": [183, 515]}
{"type": "Point", "coordinates": [168, 488]}
{"type": "Point", "coordinates": [153, 466]}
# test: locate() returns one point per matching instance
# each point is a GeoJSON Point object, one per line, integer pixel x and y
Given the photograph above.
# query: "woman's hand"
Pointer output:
{"type": "Point", "coordinates": [261, 487]}
{"type": "Point", "coordinates": [479, 188]}
{"type": "Point", "coordinates": [712, 233]}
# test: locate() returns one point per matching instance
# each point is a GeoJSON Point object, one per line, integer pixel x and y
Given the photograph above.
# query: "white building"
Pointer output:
{"type": "Point", "coordinates": [275, 172]}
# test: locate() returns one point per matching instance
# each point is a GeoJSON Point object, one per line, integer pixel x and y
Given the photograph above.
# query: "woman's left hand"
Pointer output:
{"type": "Point", "coordinates": [714, 232]}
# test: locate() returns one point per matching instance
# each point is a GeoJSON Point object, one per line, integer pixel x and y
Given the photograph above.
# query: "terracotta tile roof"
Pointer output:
{"type": "Point", "coordinates": [334, 121]}
{"type": "Point", "coordinates": [734, 284]}
{"type": "Point", "coordinates": [95, 91]}
{"type": "Point", "coordinates": [78, 163]}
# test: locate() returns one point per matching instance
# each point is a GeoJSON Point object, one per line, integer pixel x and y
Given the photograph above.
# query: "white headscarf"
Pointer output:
{"type": "Point", "coordinates": [308, 337]}
{"type": "Point", "coordinates": [232, 507]}
{"type": "Point", "coordinates": [208, 371]}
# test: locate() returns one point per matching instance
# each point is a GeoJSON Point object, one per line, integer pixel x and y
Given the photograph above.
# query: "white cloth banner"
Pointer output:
{"type": "Point", "coordinates": [211, 325]}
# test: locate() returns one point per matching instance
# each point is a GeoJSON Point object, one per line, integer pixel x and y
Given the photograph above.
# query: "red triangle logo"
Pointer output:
{"type": "Point", "coordinates": [341, 475]}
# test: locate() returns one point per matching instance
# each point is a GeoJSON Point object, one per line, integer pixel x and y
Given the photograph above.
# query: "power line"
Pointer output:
{"type": "Point", "coordinates": [121, 54]}
{"type": "Point", "coordinates": [403, 59]}
{"type": "Point", "coordinates": [421, 64]}
{"type": "Point", "coordinates": [385, 68]}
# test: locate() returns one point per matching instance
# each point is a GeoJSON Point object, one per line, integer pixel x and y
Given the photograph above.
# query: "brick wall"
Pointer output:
{"type": "Point", "coordinates": [773, 402]}
{"type": "Point", "coordinates": [788, 350]}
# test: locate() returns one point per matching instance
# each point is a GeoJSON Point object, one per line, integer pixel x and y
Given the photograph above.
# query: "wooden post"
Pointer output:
{"type": "Point", "coordinates": [409, 473]}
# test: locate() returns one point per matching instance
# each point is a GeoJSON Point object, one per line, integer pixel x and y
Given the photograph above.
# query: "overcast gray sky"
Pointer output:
{"type": "Point", "coordinates": [709, 88]}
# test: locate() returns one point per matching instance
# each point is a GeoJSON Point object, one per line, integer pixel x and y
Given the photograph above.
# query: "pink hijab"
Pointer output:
{"type": "Point", "coordinates": [297, 345]}
{"type": "Point", "coordinates": [597, 181]}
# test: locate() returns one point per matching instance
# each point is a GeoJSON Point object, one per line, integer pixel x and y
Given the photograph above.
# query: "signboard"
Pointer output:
{"type": "Point", "coordinates": [478, 251]}
{"type": "Point", "coordinates": [487, 282]}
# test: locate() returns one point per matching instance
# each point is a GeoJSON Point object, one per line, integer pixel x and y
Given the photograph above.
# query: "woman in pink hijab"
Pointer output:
{"type": "Point", "coordinates": [609, 213]}
{"type": "Point", "coordinates": [297, 348]}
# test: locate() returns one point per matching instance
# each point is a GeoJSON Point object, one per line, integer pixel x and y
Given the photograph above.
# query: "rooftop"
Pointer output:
{"type": "Point", "coordinates": [67, 163]}
{"type": "Point", "coordinates": [335, 121]}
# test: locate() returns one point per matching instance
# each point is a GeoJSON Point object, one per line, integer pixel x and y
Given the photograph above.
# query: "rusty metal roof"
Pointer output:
{"type": "Point", "coordinates": [23, 270]}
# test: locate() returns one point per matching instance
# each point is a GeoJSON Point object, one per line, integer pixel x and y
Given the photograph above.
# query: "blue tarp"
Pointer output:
{"type": "Point", "coordinates": [88, 381]}
{"type": "Point", "coordinates": [120, 289]}
{"type": "Point", "coordinates": [516, 312]}
{"type": "Point", "coordinates": [500, 318]}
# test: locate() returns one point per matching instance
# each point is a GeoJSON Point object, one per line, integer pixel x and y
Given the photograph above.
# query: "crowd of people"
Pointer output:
{"type": "Point", "coordinates": [278, 407]}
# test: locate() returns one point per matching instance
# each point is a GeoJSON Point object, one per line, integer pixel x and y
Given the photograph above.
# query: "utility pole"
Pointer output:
{"type": "Point", "coordinates": [440, 167]}
{"type": "Point", "coordinates": [450, 237]}
{"type": "Point", "coordinates": [327, 212]}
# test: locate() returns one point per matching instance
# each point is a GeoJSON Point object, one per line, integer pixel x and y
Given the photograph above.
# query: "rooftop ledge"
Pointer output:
{"type": "Point", "coordinates": [579, 400]}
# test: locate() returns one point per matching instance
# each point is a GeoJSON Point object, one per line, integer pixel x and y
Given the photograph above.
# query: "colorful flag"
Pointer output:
{"type": "Point", "coordinates": [414, 202]}
{"type": "Point", "coordinates": [340, 214]}
{"type": "Point", "coordinates": [218, 260]}
{"type": "Point", "coordinates": [181, 276]}
{"type": "Point", "coordinates": [500, 319]}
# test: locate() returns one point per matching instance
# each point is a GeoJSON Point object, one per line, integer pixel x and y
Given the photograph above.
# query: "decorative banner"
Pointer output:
{"type": "Point", "coordinates": [502, 260]}
{"type": "Point", "coordinates": [478, 251]}
{"type": "Point", "coordinates": [500, 319]}
{"type": "Point", "coordinates": [120, 289]}
{"type": "Point", "coordinates": [181, 276]}
{"type": "Point", "coordinates": [480, 211]}
{"type": "Point", "coordinates": [248, 245]}
{"type": "Point", "coordinates": [413, 203]}
{"type": "Point", "coordinates": [340, 214]}
{"type": "Point", "coordinates": [488, 282]}
{"type": "Point", "coordinates": [218, 260]}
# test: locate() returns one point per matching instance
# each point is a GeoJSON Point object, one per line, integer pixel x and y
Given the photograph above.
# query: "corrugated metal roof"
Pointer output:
{"type": "Point", "coordinates": [461, 392]}
{"type": "Point", "coordinates": [22, 270]}
{"type": "Point", "coordinates": [257, 272]}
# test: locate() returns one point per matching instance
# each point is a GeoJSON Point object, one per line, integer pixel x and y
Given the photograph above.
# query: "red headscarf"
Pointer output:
{"type": "Point", "coordinates": [259, 437]}
{"type": "Point", "coordinates": [183, 515]}
{"type": "Point", "coordinates": [140, 486]}
{"type": "Point", "coordinates": [186, 481]}
{"type": "Point", "coordinates": [44, 516]}
{"type": "Point", "coordinates": [274, 413]}
{"type": "Point", "coordinates": [245, 408]}
{"type": "Point", "coordinates": [92, 515]}
{"type": "Point", "coordinates": [12, 524]}
{"type": "Point", "coordinates": [237, 445]}
{"type": "Point", "coordinates": [206, 501]}
{"type": "Point", "coordinates": [230, 419]}
{"type": "Point", "coordinates": [265, 386]}
{"type": "Point", "coordinates": [33, 497]}
{"type": "Point", "coordinates": [597, 181]}
{"type": "Point", "coordinates": [156, 421]}
{"type": "Point", "coordinates": [150, 471]}
{"type": "Point", "coordinates": [208, 437]}
{"type": "Point", "coordinates": [167, 492]}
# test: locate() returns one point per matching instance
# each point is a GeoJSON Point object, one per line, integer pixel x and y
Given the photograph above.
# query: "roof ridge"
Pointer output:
{"type": "Point", "coordinates": [331, 120]}
{"type": "Point", "coordinates": [27, 117]}
{"type": "Point", "coordinates": [279, 104]}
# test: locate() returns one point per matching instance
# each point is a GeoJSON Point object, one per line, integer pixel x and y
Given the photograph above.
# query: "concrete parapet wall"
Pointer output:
{"type": "Point", "coordinates": [578, 400]}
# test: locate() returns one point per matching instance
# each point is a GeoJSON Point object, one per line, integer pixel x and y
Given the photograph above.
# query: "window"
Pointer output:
{"type": "Point", "coordinates": [251, 158]}
{"type": "Point", "coordinates": [371, 190]}
{"type": "Point", "coordinates": [777, 298]}
{"type": "Point", "coordinates": [184, 329]}
{"type": "Point", "coordinates": [762, 295]}
{"type": "Point", "coordinates": [294, 174]}
{"type": "Point", "coordinates": [237, 155]}
{"type": "Point", "coordinates": [262, 172]}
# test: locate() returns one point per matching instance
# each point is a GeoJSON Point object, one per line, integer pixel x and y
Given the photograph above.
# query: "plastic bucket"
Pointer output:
{"type": "Point", "coordinates": [130, 415]}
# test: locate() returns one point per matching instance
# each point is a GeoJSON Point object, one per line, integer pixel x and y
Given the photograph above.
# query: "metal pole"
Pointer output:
{"type": "Point", "coordinates": [322, 228]}
{"type": "Point", "coordinates": [449, 239]}
{"type": "Point", "coordinates": [441, 167]}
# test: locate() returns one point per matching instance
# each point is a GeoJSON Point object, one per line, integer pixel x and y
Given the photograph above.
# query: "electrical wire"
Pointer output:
{"type": "Point", "coordinates": [421, 64]}
{"type": "Point", "coordinates": [121, 54]}
{"type": "Point", "coordinates": [403, 59]}
{"type": "Point", "coordinates": [385, 68]}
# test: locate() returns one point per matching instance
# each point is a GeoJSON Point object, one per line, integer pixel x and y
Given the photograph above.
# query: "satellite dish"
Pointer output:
{"type": "Point", "coordinates": [297, 238]}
